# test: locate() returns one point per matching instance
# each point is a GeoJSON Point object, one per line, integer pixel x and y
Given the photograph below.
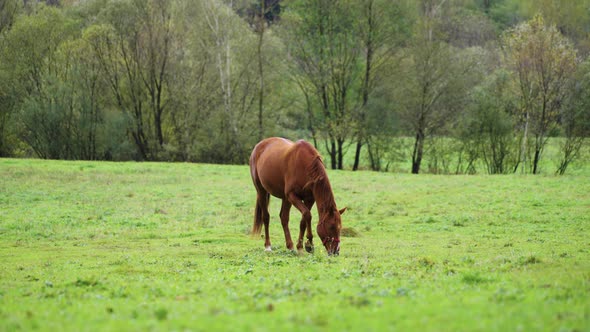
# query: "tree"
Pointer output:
{"type": "Point", "coordinates": [571, 18]}
{"type": "Point", "coordinates": [133, 50]}
{"type": "Point", "coordinates": [321, 39]}
{"type": "Point", "coordinates": [217, 17]}
{"type": "Point", "coordinates": [194, 97]}
{"type": "Point", "coordinates": [435, 77]}
{"type": "Point", "coordinates": [7, 109]}
{"type": "Point", "coordinates": [260, 16]}
{"type": "Point", "coordinates": [575, 118]}
{"type": "Point", "coordinates": [260, 30]}
{"type": "Point", "coordinates": [8, 14]}
{"type": "Point", "coordinates": [506, 13]}
{"type": "Point", "coordinates": [465, 27]}
{"type": "Point", "coordinates": [32, 63]}
{"type": "Point", "coordinates": [487, 130]}
{"type": "Point", "coordinates": [382, 125]}
{"type": "Point", "coordinates": [382, 28]}
{"type": "Point", "coordinates": [216, 94]}
{"type": "Point", "coordinates": [234, 58]}
{"type": "Point", "coordinates": [543, 62]}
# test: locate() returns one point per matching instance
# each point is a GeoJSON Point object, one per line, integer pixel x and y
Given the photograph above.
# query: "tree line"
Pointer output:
{"type": "Point", "coordinates": [462, 86]}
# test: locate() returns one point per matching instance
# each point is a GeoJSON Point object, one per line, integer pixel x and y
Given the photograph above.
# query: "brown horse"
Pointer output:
{"type": "Point", "coordinates": [294, 172]}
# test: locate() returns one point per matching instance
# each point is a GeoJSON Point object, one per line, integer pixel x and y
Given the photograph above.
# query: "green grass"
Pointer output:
{"type": "Point", "coordinates": [96, 246]}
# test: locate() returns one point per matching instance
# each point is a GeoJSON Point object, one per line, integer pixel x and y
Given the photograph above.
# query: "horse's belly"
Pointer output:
{"type": "Point", "coordinates": [274, 187]}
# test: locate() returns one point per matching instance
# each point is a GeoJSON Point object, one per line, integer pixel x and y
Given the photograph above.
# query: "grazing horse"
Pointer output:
{"type": "Point", "coordinates": [294, 172]}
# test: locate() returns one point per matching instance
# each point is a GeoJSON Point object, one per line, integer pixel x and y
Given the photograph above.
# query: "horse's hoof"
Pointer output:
{"type": "Point", "coordinates": [268, 249]}
{"type": "Point", "coordinates": [309, 248]}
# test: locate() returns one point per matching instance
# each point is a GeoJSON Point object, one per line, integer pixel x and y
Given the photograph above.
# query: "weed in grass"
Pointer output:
{"type": "Point", "coordinates": [349, 232]}
{"type": "Point", "coordinates": [508, 295]}
{"type": "Point", "coordinates": [426, 262]}
{"type": "Point", "coordinates": [161, 314]}
{"type": "Point", "coordinates": [474, 277]}
{"type": "Point", "coordinates": [428, 220]}
{"type": "Point", "coordinates": [528, 260]}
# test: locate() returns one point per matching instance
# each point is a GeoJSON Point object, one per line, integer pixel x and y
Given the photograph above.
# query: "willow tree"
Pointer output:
{"type": "Point", "coordinates": [543, 61]}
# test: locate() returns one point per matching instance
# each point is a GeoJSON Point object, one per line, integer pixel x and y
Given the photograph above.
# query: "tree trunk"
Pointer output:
{"type": "Point", "coordinates": [373, 159]}
{"type": "Point", "coordinates": [141, 145]}
{"type": "Point", "coordinates": [536, 160]}
{"type": "Point", "coordinates": [340, 154]}
{"type": "Point", "coordinates": [332, 152]}
{"type": "Point", "coordinates": [357, 155]}
{"type": "Point", "coordinates": [524, 142]}
{"type": "Point", "coordinates": [570, 150]}
{"type": "Point", "coordinates": [158, 124]}
{"type": "Point", "coordinates": [366, 84]}
{"type": "Point", "coordinates": [418, 152]}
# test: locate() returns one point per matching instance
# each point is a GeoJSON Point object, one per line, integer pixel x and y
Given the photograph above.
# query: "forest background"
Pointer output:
{"type": "Point", "coordinates": [441, 86]}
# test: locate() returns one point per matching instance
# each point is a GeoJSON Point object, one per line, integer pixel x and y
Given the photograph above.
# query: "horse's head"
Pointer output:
{"type": "Point", "coordinates": [329, 231]}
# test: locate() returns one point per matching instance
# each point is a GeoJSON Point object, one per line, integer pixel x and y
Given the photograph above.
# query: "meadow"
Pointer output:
{"type": "Point", "coordinates": [103, 246]}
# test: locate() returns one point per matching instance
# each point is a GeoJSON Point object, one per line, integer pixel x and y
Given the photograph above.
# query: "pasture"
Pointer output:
{"type": "Point", "coordinates": [97, 246]}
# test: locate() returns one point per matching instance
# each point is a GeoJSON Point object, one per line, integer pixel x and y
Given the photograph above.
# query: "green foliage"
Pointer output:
{"type": "Point", "coordinates": [435, 84]}
{"type": "Point", "coordinates": [165, 246]}
{"type": "Point", "coordinates": [506, 13]}
{"type": "Point", "coordinates": [543, 61]}
{"type": "Point", "coordinates": [571, 17]}
{"type": "Point", "coordinates": [382, 126]}
{"type": "Point", "coordinates": [487, 130]}
{"type": "Point", "coordinates": [8, 134]}
{"type": "Point", "coordinates": [575, 118]}
{"type": "Point", "coordinates": [323, 40]}
{"type": "Point", "coordinates": [8, 11]}
{"type": "Point", "coordinates": [204, 81]}
{"type": "Point", "coordinates": [30, 63]}
{"type": "Point", "coordinates": [30, 47]}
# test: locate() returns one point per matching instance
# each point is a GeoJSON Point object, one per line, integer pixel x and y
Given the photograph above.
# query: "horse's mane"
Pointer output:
{"type": "Point", "coordinates": [318, 181]}
{"type": "Point", "coordinates": [316, 170]}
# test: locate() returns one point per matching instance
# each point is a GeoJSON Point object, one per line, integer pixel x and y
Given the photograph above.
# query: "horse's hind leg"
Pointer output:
{"type": "Point", "coordinates": [262, 199]}
{"type": "Point", "coordinates": [285, 209]}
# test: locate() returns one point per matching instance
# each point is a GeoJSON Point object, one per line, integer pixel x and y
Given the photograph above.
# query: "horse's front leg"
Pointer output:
{"type": "Point", "coordinates": [305, 219]}
{"type": "Point", "coordinates": [285, 209]}
{"type": "Point", "coordinates": [309, 243]}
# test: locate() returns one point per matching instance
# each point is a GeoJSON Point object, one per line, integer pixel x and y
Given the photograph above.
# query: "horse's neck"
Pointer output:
{"type": "Point", "coordinates": [322, 193]}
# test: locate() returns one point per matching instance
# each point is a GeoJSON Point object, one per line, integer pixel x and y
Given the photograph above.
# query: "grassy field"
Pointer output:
{"type": "Point", "coordinates": [96, 246]}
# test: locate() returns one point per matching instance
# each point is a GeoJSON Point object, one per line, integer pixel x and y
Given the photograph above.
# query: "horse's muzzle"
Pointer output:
{"type": "Point", "coordinates": [333, 247]}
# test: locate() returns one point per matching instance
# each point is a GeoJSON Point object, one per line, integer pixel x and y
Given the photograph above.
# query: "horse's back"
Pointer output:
{"type": "Point", "coordinates": [272, 149]}
{"type": "Point", "coordinates": [276, 161]}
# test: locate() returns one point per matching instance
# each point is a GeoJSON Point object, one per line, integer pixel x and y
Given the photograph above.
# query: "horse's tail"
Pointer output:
{"type": "Point", "coordinates": [257, 220]}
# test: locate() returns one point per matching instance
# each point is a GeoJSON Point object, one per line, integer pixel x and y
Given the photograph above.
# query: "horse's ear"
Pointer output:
{"type": "Point", "coordinates": [342, 211]}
